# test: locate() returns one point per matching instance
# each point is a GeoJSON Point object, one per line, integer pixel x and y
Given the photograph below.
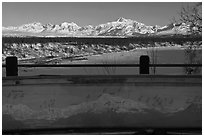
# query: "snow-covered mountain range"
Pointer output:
{"type": "Point", "coordinates": [119, 27]}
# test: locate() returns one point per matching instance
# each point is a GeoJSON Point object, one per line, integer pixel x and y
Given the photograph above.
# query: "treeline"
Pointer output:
{"type": "Point", "coordinates": [102, 40]}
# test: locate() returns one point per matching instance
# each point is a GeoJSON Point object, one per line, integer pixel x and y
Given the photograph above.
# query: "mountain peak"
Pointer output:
{"type": "Point", "coordinates": [64, 24]}
{"type": "Point", "coordinates": [68, 23]}
{"type": "Point", "coordinates": [121, 19]}
{"type": "Point", "coordinates": [49, 24]}
{"type": "Point", "coordinates": [29, 25]}
{"type": "Point", "coordinates": [119, 27]}
{"type": "Point", "coordinates": [34, 23]}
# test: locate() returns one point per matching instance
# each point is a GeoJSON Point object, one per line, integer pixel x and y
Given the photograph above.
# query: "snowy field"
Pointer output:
{"type": "Point", "coordinates": [166, 55]}
{"type": "Point", "coordinates": [57, 103]}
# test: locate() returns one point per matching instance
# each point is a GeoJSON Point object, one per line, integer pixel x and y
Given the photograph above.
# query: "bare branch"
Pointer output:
{"type": "Point", "coordinates": [192, 15]}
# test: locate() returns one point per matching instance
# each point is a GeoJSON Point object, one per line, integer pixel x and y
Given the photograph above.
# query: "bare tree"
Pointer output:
{"type": "Point", "coordinates": [192, 16]}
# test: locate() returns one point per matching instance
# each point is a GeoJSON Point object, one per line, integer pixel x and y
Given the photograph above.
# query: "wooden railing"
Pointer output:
{"type": "Point", "coordinates": [144, 65]}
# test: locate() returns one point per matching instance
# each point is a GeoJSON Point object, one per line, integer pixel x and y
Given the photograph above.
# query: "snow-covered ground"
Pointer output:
{"type": "Point", "coordinates": [61, 105]}
{"type": "Point", "coordinates": [163, 55]}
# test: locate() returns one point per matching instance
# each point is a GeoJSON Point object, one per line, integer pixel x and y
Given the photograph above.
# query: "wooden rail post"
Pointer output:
{"type": "Point", "coordinates": [11, 66]}
{"type": "Point", "coordinates": [144, 64]}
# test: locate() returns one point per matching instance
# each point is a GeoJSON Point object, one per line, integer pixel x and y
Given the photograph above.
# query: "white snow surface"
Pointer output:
{"type": "Point", "coordinates": [119, 27]}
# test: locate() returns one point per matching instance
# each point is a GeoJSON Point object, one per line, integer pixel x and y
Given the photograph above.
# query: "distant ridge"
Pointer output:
{"type": "Point", "coordinates": [120, 27]}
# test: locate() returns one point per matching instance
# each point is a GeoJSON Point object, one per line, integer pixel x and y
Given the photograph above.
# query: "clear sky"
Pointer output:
{"type": "Point", "coordinates": [85, 13]}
